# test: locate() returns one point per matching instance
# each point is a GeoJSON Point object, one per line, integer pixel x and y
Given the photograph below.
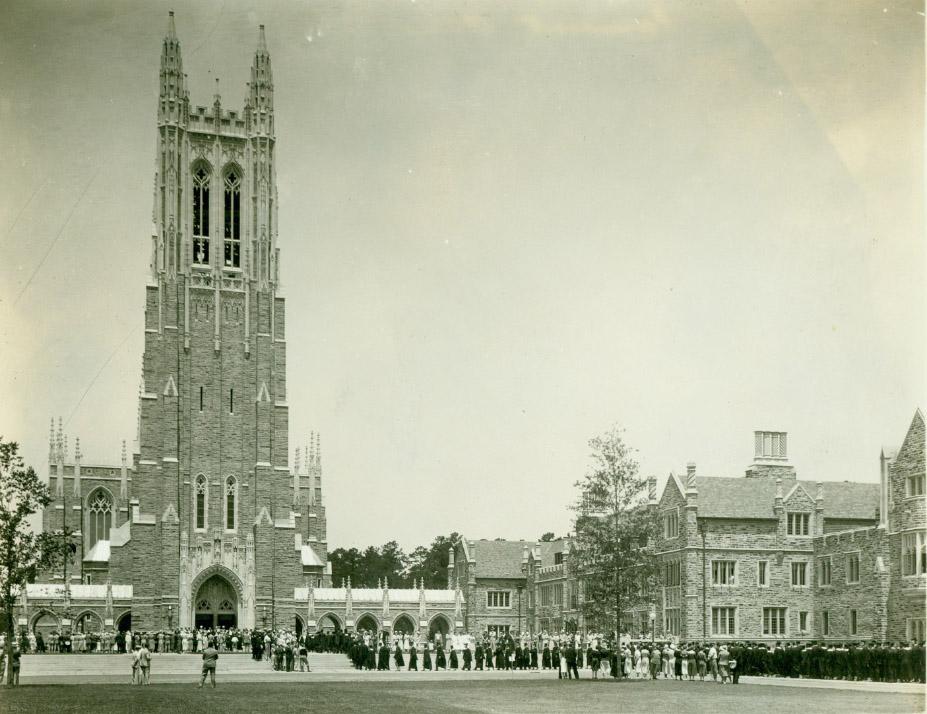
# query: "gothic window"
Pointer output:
{"type": "Point", "coordinates": [200, 493]}
{"type": "Point", "coordinates": [204, 605]}
{"type": "Point", "coordinates": [201, 216]}
{"type": "Point", "coordinates": [99, 517]}
{"type": "Point", "coordinates": [232, 220]}
{"type": "Point", "coordinates": [226, 605]}
{"type": "Point", "coordinates": [231, 503]}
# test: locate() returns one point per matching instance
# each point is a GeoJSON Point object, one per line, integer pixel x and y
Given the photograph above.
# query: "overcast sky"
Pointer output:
{"type": "Point", "coordinates": [503, 228]}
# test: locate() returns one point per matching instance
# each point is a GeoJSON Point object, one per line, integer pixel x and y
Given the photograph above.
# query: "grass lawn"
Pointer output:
{"type": "Point", "coordinates": [515, 697]}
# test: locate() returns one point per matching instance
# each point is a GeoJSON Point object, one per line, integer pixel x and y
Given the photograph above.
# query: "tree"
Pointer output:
{"type": "Point", "coordinates": [431, 563]}
{"type": "Point", "coordinates": [547, 537]}
{"type": "Point", "coordinates": [22, 553]}
{"type": "Point", "coordinates": [614, 529]}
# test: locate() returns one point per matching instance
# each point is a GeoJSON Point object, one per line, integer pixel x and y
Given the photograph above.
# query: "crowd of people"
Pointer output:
{"type": "Point", "coordinates": [564, 654]}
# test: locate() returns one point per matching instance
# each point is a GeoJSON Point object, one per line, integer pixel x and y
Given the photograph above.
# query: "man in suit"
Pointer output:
{"type": "Point", "coordinates": [572, 672]}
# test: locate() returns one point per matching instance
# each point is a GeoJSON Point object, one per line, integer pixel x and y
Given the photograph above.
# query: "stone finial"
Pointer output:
{"type": "Point", "coordinates": [344, 583]}
{"type": "Point", "coordinates": [77, 456]}
{"type": "Point", "coordinates": [349, 582]}
{"type": "Point", "coordinates": [318, 451]}
{"type": "Point", "coordinates": [262, 41]}
{"type": "Point", "coordinates": [171, 29]}
{"type": "Point", "coordinates": [296, 463]}
{"type": "Point", "coordinates": [652, 489]}
{"type": "Point", "coordinates": [60, 442]}
{"type": "Point", "coordinates": [123, 473]}
{"type": "Point", "coordinates": [51, 441]}
{"type": "Point", "coordinates": [779, 489]}
{"type": "Point", "coordinates": [310, 451]}
{"type": "Point", "coordinates": [690, 476]}
{"type": "Point", "coordinates": [819, 497]}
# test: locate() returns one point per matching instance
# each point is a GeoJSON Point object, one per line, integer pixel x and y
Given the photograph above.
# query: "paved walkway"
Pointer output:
{"type": "Point", "coordinates": [178, 668]}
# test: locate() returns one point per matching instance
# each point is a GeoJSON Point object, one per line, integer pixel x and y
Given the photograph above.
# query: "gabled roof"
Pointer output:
{"type": "Point", "coordinates": [498, 558]}
{"type": "Point", "coordinates": [743, 497]}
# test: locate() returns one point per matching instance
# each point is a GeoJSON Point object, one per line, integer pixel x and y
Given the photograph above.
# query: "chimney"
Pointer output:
{"type": "Point", "coordinates": [690, 476]}
{"type": "Point", "coordinates": [770, 456]}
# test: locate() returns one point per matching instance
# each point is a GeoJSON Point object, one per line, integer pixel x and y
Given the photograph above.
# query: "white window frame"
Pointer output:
{"type": "Point", "coordinates": [807, 627]}
{"type": "Point", "coordinates": [762, 582]}
{"type": "Point", "coordinates": [225, 504]}
{"type": "Point", "coordinates": [858, 556]}
{"type": "Point", "coordinates": [804, 564]}
{"type": "Point", "coordinates": [201, 478]}
{"type": "Point", "coordinates": [912, 541]}
{"type": "Point", "coordinates": [780, 620]}
{"type": "Point", "coordinates": [825, 565]}
{"type": "Point", "coordinates": [914, 486]}
{"type": "Point", "coordinates": [670, 515]}
{"type": "Point", "coordinates": [733, 578]}
{"type": "Point", "coordinates": [725, 608]}
{"type": "Point", "coordinates": [914, 628]}
{"type": "Point", "coordinates": [499, 595]}
{"type": "Point", "coordinates": [803, 519]}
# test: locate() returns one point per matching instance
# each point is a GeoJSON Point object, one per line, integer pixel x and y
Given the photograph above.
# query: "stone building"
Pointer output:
{"type": "Point", "coordinates": [870, 582]}
{"type": "Point", "coordinates": [756, 557]}
{"type": "Point", "coordinates": [205, 524]}
{"type": "Point", "coordinates": [492, 576]}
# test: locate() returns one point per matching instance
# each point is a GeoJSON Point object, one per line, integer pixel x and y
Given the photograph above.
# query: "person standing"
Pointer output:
{"type": "Point", "coordinates": [571, 662]}
{"type": "Point", "coordinates": [713, 662]}
{"type": "Point", "coordinates": [210, 659]}
{"type": "Point", "coordinates": [144, 663]}
{"type": "Point", "coordinates": [399, 659]}
{"type": "Point", "coordinates": [413, 657]}
{"type": "Point", "coordinates": [15, 657]}
{"type": "Point", "coordinates": [467, 658]}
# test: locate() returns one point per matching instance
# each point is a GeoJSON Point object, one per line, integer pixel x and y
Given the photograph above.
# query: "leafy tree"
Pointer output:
{"type": "Point", "coordinates": [22, 553]}
{"type": "Point", "coordinates": [369, 567]}
{"type": "Point", "coordinates": [547, 537]}
{"type": "Point", "coordinates": [614, 529]}
{"type": "Point", "coordinates": [431, 563]}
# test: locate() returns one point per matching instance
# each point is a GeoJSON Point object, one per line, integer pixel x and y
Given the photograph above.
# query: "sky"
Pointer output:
{"type": "Point", "coordinates": [504, 228]}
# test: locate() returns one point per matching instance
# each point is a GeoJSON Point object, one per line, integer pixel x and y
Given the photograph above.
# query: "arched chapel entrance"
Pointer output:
{"type": "Point", "coordinates": [215, 604]}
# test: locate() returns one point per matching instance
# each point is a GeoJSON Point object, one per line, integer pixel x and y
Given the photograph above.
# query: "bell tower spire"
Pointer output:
{"type": "Point", "coordinates": [173, 94]}
{"type": "Point", "coordinates": [261, 96]}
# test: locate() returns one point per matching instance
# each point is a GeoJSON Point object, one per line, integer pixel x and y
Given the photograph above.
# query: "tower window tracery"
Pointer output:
{"type": "Point", "coordinates": [201, 216]}
{"type": "Point", "coordinates": [231, 503]}
{"type": "Point", "coordinates": [200, 493]}
{"type": "Point", "coordinates": [99, 518]}
{"type": "Point", "coordinates": [232, 219]}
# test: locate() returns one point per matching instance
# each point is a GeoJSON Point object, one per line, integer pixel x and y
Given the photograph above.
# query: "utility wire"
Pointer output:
{"type": "Point", "coordinates": [97, 375]}
{"type": "Point", "coordinates": [58, 234]}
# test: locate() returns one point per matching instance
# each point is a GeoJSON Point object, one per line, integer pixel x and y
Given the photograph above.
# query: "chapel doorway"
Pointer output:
{"type": "Point", "coordinates": [216, 604]}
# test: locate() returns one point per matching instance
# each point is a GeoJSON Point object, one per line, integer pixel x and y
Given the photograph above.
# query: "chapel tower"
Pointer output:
{"type": "Point", "coordinates": [212, 466]}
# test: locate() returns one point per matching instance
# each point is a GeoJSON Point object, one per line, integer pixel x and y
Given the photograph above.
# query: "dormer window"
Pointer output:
{"type": "Point", "coordinates": [798, 524]}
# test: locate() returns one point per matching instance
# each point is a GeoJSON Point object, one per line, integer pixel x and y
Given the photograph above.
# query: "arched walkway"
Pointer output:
{"type": "Point", "coordinates": [330, 622]}
{"type": "Point", "coordinates": [45, 622]}
{"type": "Point", "coordinates": [439, 625]}
{"type": "Point", "coordinates": [124, 621]}
{"type": "Point", "coordinates": [367, 623]}
{"type": "Point", "coordinates": [88, 622]}
{"type": "Point", "coordinates": [403, 625]}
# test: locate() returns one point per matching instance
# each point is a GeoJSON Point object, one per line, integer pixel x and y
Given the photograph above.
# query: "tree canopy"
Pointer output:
{"type": "Point", "coordinates": [614, 531]}
{"type": "Point", "coordinates": [368, 567]}
{"type": "Point", "coordinates": [23, 553]}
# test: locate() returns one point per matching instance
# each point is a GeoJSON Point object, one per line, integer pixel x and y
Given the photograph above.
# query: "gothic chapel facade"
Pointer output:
{"type": "Point", "coordinates": [205, 525]}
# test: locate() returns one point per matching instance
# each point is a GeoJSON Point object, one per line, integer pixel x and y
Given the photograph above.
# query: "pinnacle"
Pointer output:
{"type": "Point", "coordinates": [171, 29]}
{"type": "Point", "coordinates": [262, 41]}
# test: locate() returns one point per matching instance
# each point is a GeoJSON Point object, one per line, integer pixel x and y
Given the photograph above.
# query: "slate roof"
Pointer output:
{"type": "Point", "coordinates": [744, 497]}
{"type": "Point", "coordinates": [498, 558]}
